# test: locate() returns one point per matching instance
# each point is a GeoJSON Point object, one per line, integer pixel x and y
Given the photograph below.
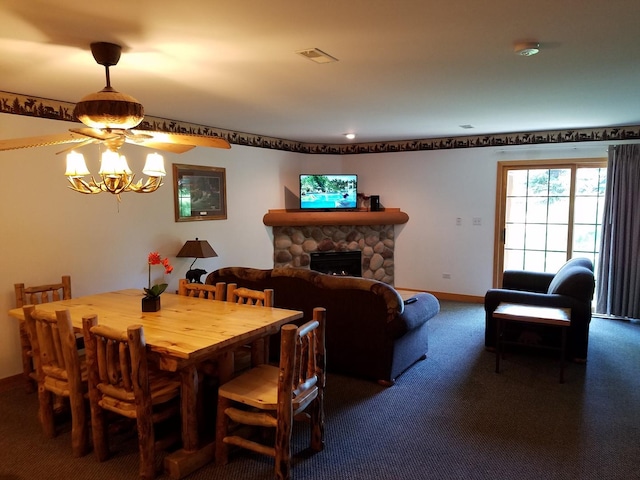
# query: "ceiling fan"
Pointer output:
{"type": "Point", "coordinates": [110, 117]}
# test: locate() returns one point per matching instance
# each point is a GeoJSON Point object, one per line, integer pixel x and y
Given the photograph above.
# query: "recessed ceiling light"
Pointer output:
{"type": "Point", "coordinates": [526, 49]}
{"type": "Point", "coordinates": [316, 55]}
{"type": "Point", "coordinates": [350, 136]}
{"type": "Point", "coordinates": [466, 126]}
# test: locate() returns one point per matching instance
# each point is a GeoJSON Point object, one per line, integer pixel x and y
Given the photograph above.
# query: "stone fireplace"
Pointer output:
{"type": "Point", "coordinates": [298, 234]}
{"type": "Point", "coordinates": [293, 246]}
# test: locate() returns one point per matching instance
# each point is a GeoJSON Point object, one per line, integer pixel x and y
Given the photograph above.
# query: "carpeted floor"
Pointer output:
{"type": "Point", "coordinates": [448, 417]}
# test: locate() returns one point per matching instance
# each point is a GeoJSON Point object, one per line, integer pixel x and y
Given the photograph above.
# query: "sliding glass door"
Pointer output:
{"type": "Point", "coordinates": [547, 213]}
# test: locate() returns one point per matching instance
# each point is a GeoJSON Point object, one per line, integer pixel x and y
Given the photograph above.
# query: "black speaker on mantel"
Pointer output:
{"type": "Point", "coordinates": [375, 203]}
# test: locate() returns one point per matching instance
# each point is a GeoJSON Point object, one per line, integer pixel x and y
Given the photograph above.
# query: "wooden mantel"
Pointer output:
{"type": "Point", "coordinates": [292, 218]}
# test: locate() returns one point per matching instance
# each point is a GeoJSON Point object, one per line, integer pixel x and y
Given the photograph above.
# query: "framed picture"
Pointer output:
{"type": "Point", "coordinates": [200, 193]}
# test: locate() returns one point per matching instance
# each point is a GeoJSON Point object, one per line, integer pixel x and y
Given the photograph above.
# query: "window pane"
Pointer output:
{"type": "Point", "coordinates": [516, 208]}
{"type": "Point", "coordinates": [584, 239]}
{"type": "Point", "coordinates": [557, 238]}
{"type": "Point", "coordinates": [538, 183]}
{"type": "Point", "coordinates": [517, 183]}
{"type": "Point", "coordinates": [535, 237]}
{"type": "Point", "coordinates": [559, 210]}
{"type": "Point", "coordinates": [513, 259]}
{"type": "Point", "coordinates": [534, 260]}
{"type": "Point", "coordinates": [586, 210]}
{"type": "Point", "coordinates": [555, 260]}
{"type": "Point", "coordinates": [559, 182]}
{"type": "Point", "coordinates": [591, 181]}
{"type": "Point", "coordinates": [514, 237]}
{"type": "Point", "coordinates": [600, 209]}
{"type": "Point", "coordinates": [537, 210]}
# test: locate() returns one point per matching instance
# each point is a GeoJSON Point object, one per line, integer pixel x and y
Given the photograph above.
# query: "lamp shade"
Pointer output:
{"type": "Point", "coordinates": [197, 249]}
{"type": "Point", "coordinates": [154, 167]}
{"type": "Point", "coordinates": [76, 166]}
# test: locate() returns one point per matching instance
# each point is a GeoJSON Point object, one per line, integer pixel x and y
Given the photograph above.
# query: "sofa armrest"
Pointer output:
{"type": "Point", "coordinates": [418, 310]}
{"type": "Point", "coordinates": [526, 280]}
{"type": "Point", "coordinates": [494, 296]}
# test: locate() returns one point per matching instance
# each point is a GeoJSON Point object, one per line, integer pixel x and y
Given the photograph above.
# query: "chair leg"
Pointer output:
{"type": "Point", "coordinates": [317, 425]}
{"type": "Point", "coordinates": [45, 412]}
{"type": "Point", "coordinates": [146, 445]}
{"type": "Point", "coordinates": [79, 428]}
{"type": "Point", "coordinates": [222, 424]}
{"type": "Point", "coordinates": [283, 449]}
{"type": "Point", "coordinates": [99, 433]}
{"type": "Point", "coordinates": [30, 385]}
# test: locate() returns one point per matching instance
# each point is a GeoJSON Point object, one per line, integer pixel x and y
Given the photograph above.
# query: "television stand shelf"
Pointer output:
{"type": "Point", "coordinates": [292, 218]}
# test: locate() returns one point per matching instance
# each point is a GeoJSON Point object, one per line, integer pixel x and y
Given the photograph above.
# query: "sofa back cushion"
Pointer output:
{"type": "Point", "coordinates": [354, 305]}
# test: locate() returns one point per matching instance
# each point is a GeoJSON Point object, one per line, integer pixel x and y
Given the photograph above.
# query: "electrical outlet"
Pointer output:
{"type": "Point", "coordinates": [477, 221]}
{"type": "Point", "coordinates": [446, 275]}
{"type": "Point", "coordinates": [458, 221]}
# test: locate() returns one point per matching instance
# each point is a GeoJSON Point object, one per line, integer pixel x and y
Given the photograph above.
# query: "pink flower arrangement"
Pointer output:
{"type": "Point", "coordinates": [155, 259]}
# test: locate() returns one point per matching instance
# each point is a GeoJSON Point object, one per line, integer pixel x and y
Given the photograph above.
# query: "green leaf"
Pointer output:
{"type": "Point", "coordinates": [156, 290]}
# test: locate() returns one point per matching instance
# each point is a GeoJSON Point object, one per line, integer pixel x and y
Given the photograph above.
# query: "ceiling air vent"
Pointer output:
{"type": "Point", "coordinates": [317, 55]}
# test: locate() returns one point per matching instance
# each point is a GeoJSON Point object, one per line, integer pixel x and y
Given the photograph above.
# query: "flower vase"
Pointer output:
{"type": "Point", "coordinates": [150, 304]}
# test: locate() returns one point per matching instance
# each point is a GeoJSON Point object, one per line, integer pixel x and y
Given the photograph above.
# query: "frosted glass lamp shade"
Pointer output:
{"type": "Point", "coordinates": [154, 166]}
{"type": "Point", "coordinates": [113, 165]}
{"type": "Point", "coordinates": [76, 166]}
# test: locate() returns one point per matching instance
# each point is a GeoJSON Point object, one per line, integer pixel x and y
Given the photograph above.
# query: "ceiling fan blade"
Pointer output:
{"type": "Point", "coordinates": [185, 139]}
{"type": "Point", "coordinates": [137, 137]}
{"type": "Point", "coordinates": [41, 141]}
{"type": "Point", "coordinates": [167, 147]}
{"type": "Point", "coordinates": [83, 143]}
{"type": "Point", "coordinates": [97, 134]}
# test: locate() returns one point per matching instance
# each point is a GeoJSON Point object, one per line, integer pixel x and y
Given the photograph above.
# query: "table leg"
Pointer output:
{"type": "Point", "coordinates": [225, 367]}
{"type": "Point", "coordinates": [562, 353]}
{"type": "Point", "coordinates": [193, 456]}
{"type": "Point", "coordinates": [498, 334]}
{"type": "Point", "coordinates": [189, 399]}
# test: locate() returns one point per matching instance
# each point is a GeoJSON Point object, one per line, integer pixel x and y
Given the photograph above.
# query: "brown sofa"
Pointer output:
{"type": "Point", "coordinates": [370, 332]}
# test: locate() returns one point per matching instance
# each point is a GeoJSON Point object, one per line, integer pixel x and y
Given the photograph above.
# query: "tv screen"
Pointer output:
{"type": "Point", "coordinates": [328, 192]}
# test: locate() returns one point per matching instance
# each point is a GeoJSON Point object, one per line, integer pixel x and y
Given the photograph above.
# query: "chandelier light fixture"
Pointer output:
{"type": "Point", "coordinates": [116, 176]}
{"type": "Point", "coordinates": [111, 113]}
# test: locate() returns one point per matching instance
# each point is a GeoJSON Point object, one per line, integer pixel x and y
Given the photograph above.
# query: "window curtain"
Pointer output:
{"type": "Point", "coordinates": [618, 282]}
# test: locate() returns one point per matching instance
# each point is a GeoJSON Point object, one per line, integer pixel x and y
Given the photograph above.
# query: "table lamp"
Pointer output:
{"type": "Point", "coordinates": [196, 249]}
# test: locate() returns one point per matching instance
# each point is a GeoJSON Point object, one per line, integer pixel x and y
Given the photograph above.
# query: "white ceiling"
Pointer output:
{"type": "Point", "coordinates": [407, 69]}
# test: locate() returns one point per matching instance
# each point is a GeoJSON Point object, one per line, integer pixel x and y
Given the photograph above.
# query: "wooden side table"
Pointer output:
{"type": "Point", "coordinates": [514, 312]}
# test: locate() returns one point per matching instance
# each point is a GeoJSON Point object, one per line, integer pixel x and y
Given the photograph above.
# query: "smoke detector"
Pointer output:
{"type": "Point", "coordinates": [526, 49]}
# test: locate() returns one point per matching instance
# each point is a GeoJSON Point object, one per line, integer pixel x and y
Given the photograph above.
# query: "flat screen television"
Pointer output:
{"type": "Point", "coordinates": [328, 192]}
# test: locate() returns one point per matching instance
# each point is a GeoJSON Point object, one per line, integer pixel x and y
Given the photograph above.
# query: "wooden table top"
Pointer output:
{"type": "Point", "coordinates": [534, 314]}
{"type": "Point", "coordinates": [185, 330]}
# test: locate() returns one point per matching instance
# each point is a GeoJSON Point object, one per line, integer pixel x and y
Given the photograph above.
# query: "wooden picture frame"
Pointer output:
{"type": "Point", "coordinates": [200, 193]}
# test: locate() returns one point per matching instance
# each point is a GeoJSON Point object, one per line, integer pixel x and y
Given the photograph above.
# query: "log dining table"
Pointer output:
{"type": "Point", "coordinates": [183, 333]}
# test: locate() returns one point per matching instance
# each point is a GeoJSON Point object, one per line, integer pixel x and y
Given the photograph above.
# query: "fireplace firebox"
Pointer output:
{"type": "Point", "coordinates": [337, 263]}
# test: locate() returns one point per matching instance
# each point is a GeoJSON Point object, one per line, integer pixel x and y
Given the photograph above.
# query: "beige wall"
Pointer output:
{"type": "Point", "coordinates": [49, 230]}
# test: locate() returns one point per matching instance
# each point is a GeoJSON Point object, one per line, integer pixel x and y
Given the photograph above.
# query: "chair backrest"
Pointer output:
{"type": "Point", "coordinates": [302, 363]}
{"type": "Point", "coordinates": [202, 290]}
{"type": "Point", "coordinates": [55, 354]}
{"type": "Point", "coordinates": [43, 293]}
{"type": "Point", "coordinates": [117, 368]}
{"type": "Point", "coordinates": [247, 296]}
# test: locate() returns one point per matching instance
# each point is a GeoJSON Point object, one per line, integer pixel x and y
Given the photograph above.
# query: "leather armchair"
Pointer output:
{"type": "Point", "coordinates": [571, 287]}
